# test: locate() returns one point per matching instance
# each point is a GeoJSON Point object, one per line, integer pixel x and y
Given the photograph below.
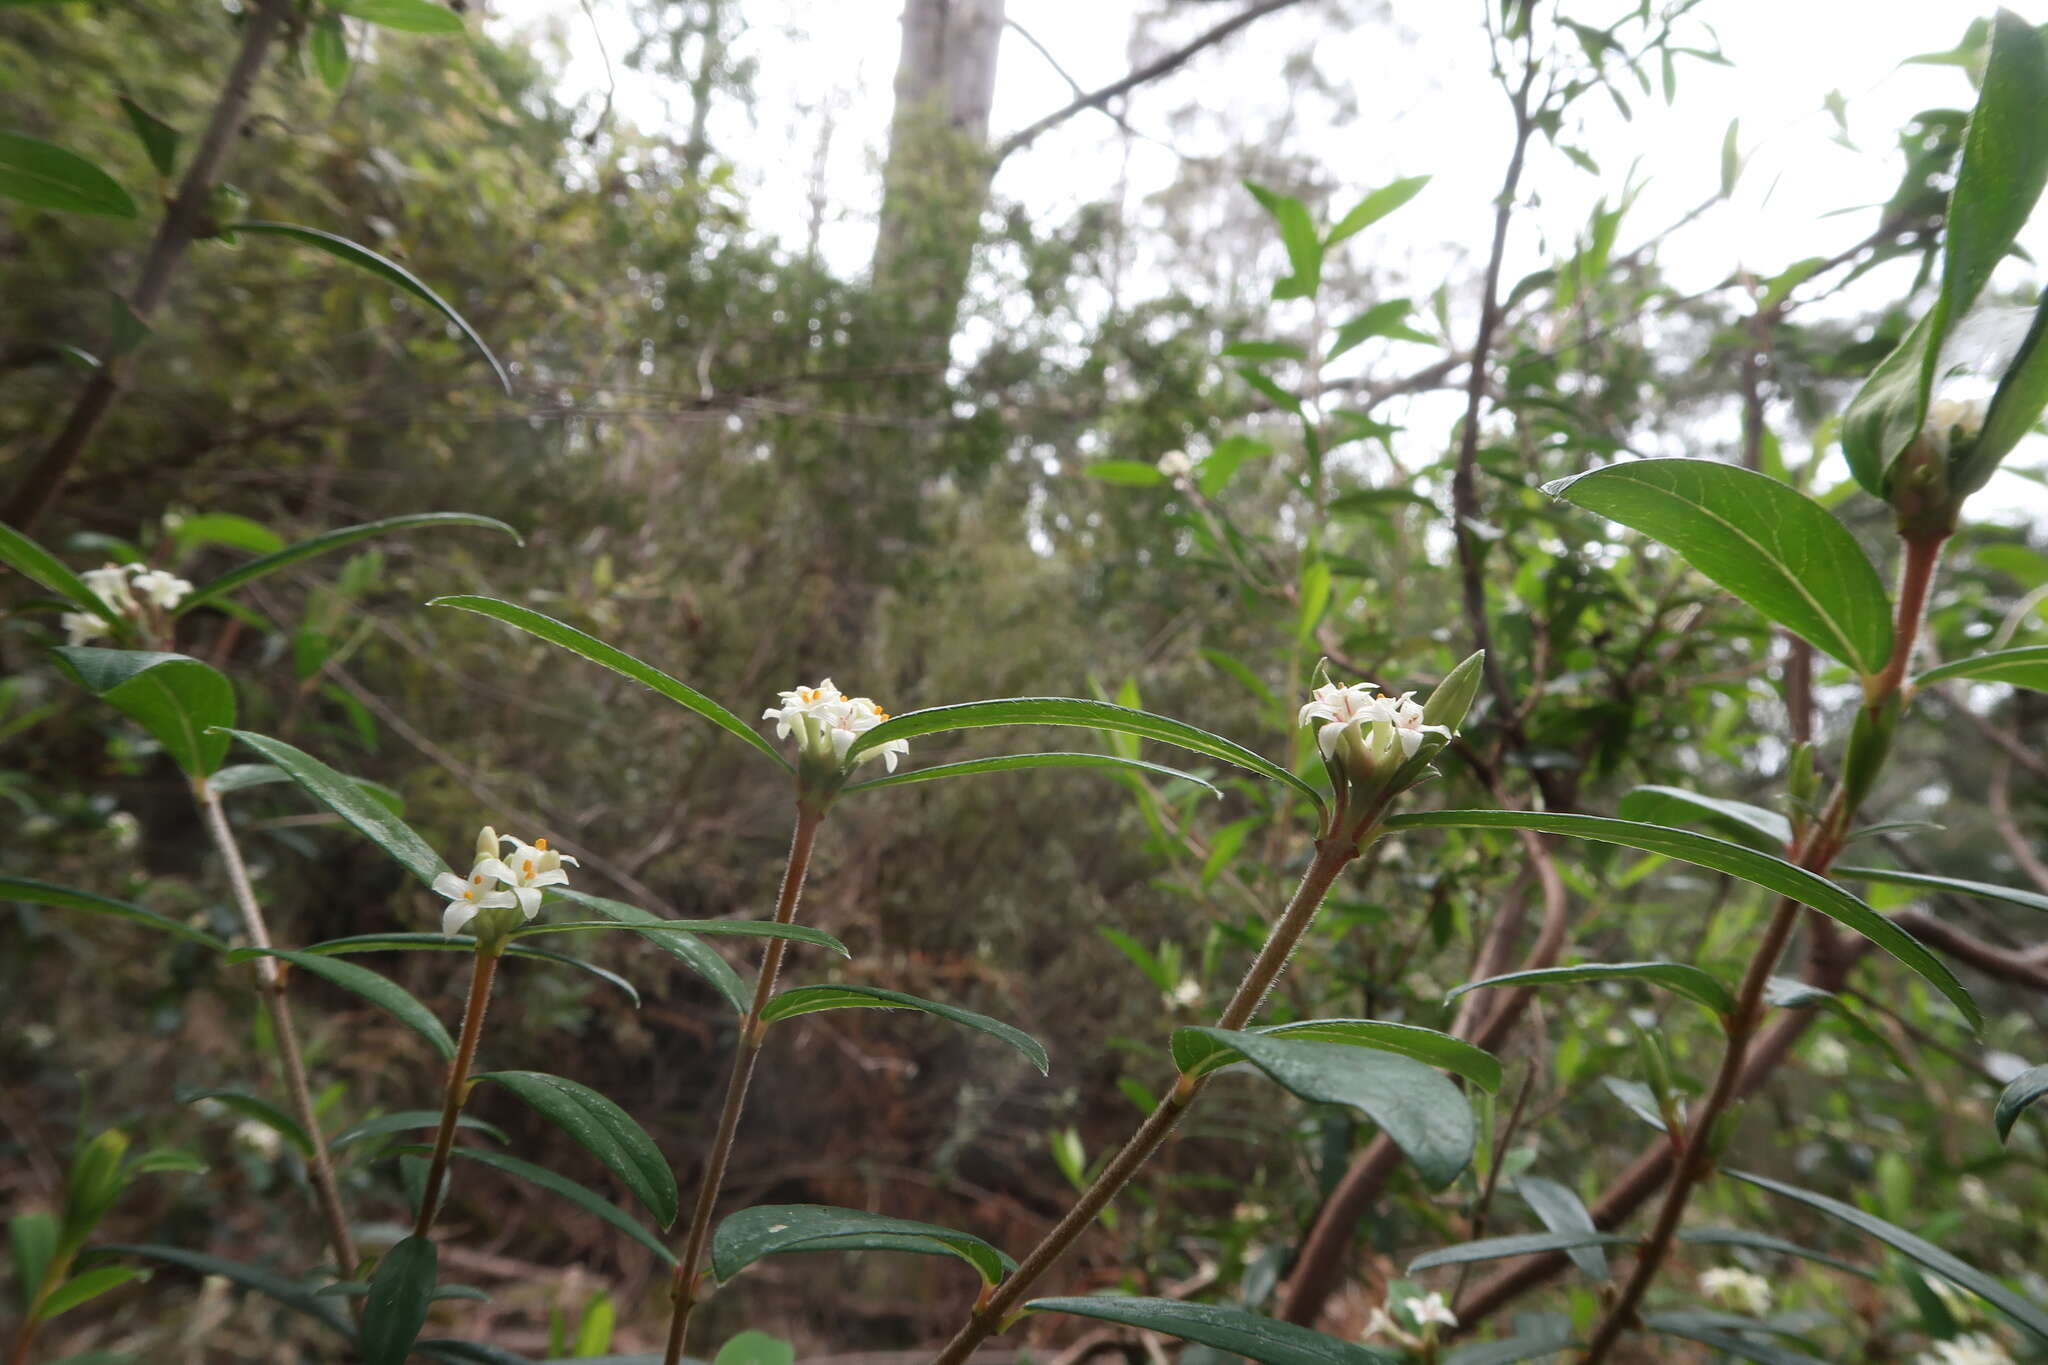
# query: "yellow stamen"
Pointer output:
{"type": "Point", "coordinates": [476, 879]}
{"type": "Point", "coordinates": [526, 867]}
{"type": "Point", "coordinates": [468, 895]}
{"type": "Point", "coordinates": [541, 844]}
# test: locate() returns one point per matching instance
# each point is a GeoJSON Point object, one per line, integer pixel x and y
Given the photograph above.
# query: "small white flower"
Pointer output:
{"type": "Point", "coordinates": [83, 627]}
{"type": "Point", "coordinates": [1737, 1289]}
{"type": "Point", "coordinates": [525, 870]}
{"type": "Point", "coordinates": [826, 722]}
{"type": "Point", "coordinates": [1365, 727]}
{"type": "Point", "coordinates": [1828, 1056]}
{"type": "Point", "coordinates": [468, 896]}
{"type": "Point", "coordinates": [259, 1138]}
{"type": "Point", "coordinates": [1176, 464]}
{"type": "Point", "coordinates": [125, 830]}
{"type": "Point", "coordinates": [1380, 1325]}
{"type": "Point", "coordinates": [164, 590]}
{"type": "Point", "coordinates": [1977, 1348]}
{"type": "Point", "coordinates": [109, 583]}
{"type": "Point", "coordinates": [1431, 1309]}
{"type": "Point", "coordinates": [1186, 993]}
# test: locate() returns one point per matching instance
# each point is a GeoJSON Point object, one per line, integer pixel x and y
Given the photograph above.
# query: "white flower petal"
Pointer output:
{"type": "Point", "coordinates": [458, 914]}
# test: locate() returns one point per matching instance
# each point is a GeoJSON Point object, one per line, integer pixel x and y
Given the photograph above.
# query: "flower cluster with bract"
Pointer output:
{"type": "Point", "coordinates": [826, 722]}
{"type": "Point", "coordinates": [129, 589]}
{"type": "Point", "coordinates": [500, 883]}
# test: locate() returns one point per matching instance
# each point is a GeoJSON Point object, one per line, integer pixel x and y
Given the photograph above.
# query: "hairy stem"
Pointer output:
{"type": "Point", "coordinates": [1335, 850]}
{"type": "Point", "coordinates": [291, 1062]}
{"type": "Point", "coordinates": [752, 1033]}
{"type": "Point", "coordinates": [458, 1085]}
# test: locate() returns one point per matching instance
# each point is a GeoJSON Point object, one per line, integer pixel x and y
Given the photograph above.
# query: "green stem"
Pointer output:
{"type": "Point", "coordinates": [752, 1033]}
{"type": "Point", "coordinates": [458, 1084]}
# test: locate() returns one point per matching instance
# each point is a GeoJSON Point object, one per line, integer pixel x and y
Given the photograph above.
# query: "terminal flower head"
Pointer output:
{"type": "Point", "coordinates": [467, 898]}
{"type": "Point", "coordinates": [1365, 732]}
{"type": "Point", "coordinates": [525, 870]}
{"type": "Point", "coordinates": [164, 590]}
{"type": "Point", "coordinates": [1740, 1290]}
{"type": "Point", "coordinates": [109, 583]}
{"type": "Point", "coordinates": [1176, 464]}
{"type": "Point", "coordinates": [826, 722]}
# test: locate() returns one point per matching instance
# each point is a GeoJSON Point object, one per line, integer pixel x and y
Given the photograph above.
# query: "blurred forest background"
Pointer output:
{"type": "Point", "coordinates": [932, 474]}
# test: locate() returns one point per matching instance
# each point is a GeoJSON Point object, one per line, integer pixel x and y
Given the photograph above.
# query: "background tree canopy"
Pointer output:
{"type": "Point", "coordinates": [946, 423]}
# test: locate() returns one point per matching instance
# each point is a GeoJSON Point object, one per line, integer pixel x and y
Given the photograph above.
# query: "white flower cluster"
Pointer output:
{"type": "Point", "coordinates": [826, 722]}
{"type": "Point", "coordinates": [1176, 464]}
{"type": "Point", "coordinates": [496, 883]}
{"type": "Point", "coordinates": [1427, 1313]}
{"type": "Point", "coordinates": [1367, 732]}
{"type": "Point", "coordinates": [1975, 1348]}
{"type": "Point", "coordinates": [1739, 1290]}
{"type": "Point", "coordinates": [1947, 416]}
{"type": "Point", "coordinates": [126, 588]}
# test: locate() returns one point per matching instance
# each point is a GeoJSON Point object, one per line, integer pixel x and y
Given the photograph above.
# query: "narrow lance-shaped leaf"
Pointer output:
{"type": "Point", "coordinates": [1760, 1241]}
{"type": "Point", "coordinates": [1761, 829]}
{"type": "Point", "coordinates": [1761, 869]}
{"type": "Point", "coordinates": [1011, 762]}
{"type": "Point", "coordinates": [260, 1110]}
{"type": "Point", "coordinates": [1714, 1330]}
{"type": "Point", "coordinates": [1198, 1051]}
{"type": "Point", "coordinates": [242, 776]}
{"type": "Point", "coordinates": [687, 949]}
{"type": "Point", "coordinates": [1891, 876]}
{"type": "Point", "coordinates": [1230, 1330]}
{"type": "Point", "coordinates": [341, 795]}
{"type": "Point", "coordinates": [2026, 667]}
{"type": "Point", "coordinates": [327, 542]}
{"type": "Point", "coordinates": [1374, 207]}
{"type": "Point", "coordinates": [811, 999]}
{"type": "Point", "coordinates": [158, 138]}
{"type": "Point", "coordinates": [1690, 982]}
{"type": "Point", "coordinates": [380, 991]}
{"type": "Point", "coordinates": [1525, 1244]}
{"type": "Point", "coordinates": [1766, 542]}
{"type": "Point", "coordinates": [409, 1121]}
{"type": "Point", "coordinates": [2027, 1087]}
{"type": "Point", "coordinates": [463, 943]}
{"type": "Point", "coordinates": [85, 1286]}
{"type": "Point", "coordinates": [298, 1297]}
{"type": "Point", "coordinates": [744, 928]}
{"type": "Point", "coordinates": [382, 266]}
{"type": "Point", "coordinates": [184, 704]}
{"type": "Point", "coordinates": [778, 1229]}
{"type": "Point", "coordinates": [600, 1125]}
{"type": "Point", "coordinates": [396, 1307]}
{"type": "Point", "coordinates": [1563, 1211]}
{"type": "Point", "coordinates": [406, 16]}
{"type": "Point", "coordinates": [48, 893]}
{"type": "Point", "coordinates": [617, 660]}
{"type": "Point", "coordinates": [39, 566]}
{"type": "Point", "coordinates": [49, 177]}
{"type": "Point", "coordinates": [583, 1198]}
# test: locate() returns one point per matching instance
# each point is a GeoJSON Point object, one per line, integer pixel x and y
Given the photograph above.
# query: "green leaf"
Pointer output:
{"type": "Point", "coordinates": [177, 699]}
{"type": "Point", "coordinates": [1089, 715]}
{"type": "Point", "coordinates": [1220, 465]}
{"type": "Point", "coordinates": [390, 271]}
{"type": "Point", "coordinates": [1888, 876]}
{"type": "Point", "coordinates": [1766, 542]}
{"type": "Point", "coordinates": [621, 1144]}
{"type": "Point", "coordinates": [1763, 830]}
{"type": "Point", "coordinates": [1526, 1244]}
{"type": "Point", "coordinates": [1425, 1115]}
{"type": "Point", "coordinates": [345, 798]}
{"type": "Point", "coordinates": [293, 1295]}
{"type": "Point", "coordinates": [380, 991]}
{"type": "Point", "coordinates": [1389, 319]}
{"type": "Point", "coordinates": [1298, 235]}
{"type": "Point", "coordinates": [1374, 207]}
{"type": "Point", "coordinates": [224, 528]}
{"type": "Point", "coordinates": [745, 928]}
{"type": "Point", "coordinates": [2023, 1311]}
{"type": "Point", "coordinates": [250, 1107]}
{"type": "Point", "coordinates": [1267, 1340]}
{"type": "Point", "coordinates": [86, 1285]}
{"type": "Point", "coordinates": [755, 1348]}
{"type": "Point", "coordinates": [1731, 157]}
{"type": "Point", "coordinates": [41, 567]}
{"type": "Point", "coordinates": [1007, 762]}
{"type": "Point", "coordinates": [1760, 1241]}
{"type": "Point", "coordinates": [1771, 873]}
{"type": "Point", "coordinates": [1563, 1212]}
{"type": "Point", "coordinates": [1690, 982]}
{"type": "Point", "coordinates": [600, 1320]}
{"type": "Point", "coordinates": [1712, 1329]}
{"type": "Point", "coordinates": [33, 892]}
{"type": "Point", "coordinates": [48, 177]}
{"type": "Point", "coordinates": [242, 776]}
{"type": "Point", "coordinates": [1127, 473]}
{"type": "Point", "coordinates": [1536, 1335]}
{"type": "Point", "coordinates": [1782, 992]}
{"type": "Point", "coordinates": [811, 999]}
{"type": "Point", "coordinates": [159, 139]}
{"type": "Point", "coordinates": [687, 949]}
{"type": "Point", "coordinates": [1264, 350]}
{"type": "Point", "coordinates": [2028, 1086]}
{"type": "Point", "coordinates": [2014, 410]}
{"type": "Point", "coordinates": [408, 1121]}
{"type": "Point", "coordinates": [327, 45]}
{"type": "Point", "coordinates": [775, 1229]}
{"type": "Point", "coordinates": [588, 1200]}
{"type": "Point", "coordinates": [32, 1237]}
{"type": "Point", "coordinates": [407, 16]}
{"type": "Point", "coordinates": [2027, 667]}
{"type": "Point", "coordinates": [618, 661]}
{"type": "Point", "coordinates": [329, 541]}
{"type": "Point", "coordinates": [396, 1308]}
{"type": "Point", "coordinates": [463, 943]}
{"type": "Point", "coordinates": [1198, 1051]}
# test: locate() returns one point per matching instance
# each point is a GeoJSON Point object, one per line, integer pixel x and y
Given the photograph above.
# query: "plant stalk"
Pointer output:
{"type": "Point", "coordinates": [752, 1034]}
{"type": "Point", "coordinates": [458, 1085]}
{"type": "Point", "coordinates": [293, 1064]}
{"type": "Point", "coordinates": [1333, 852]}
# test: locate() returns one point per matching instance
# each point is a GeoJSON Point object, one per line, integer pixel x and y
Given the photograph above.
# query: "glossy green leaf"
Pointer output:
{"type": "Point", "coordinates": [33, 892]}
{"type": "Point", "coordinates": [1718, 1330]}
{"type": "Point", "coordinates": [1690, 982]}
{"type": "Point", "coordinates": [687, 949]}
{"type": "Point", "coordinates": [345, 798]}
{"type": "Point", "coordinates": [1764, 541]}
{"type": "Point", "coordinates": [1088, 715]}
{"type": "Point", "coordinates": [409, 1121]}
{"type": "Point", "coordinates": [463, 943]}
{"type": "Point", "coordinates": [1198, 1051]}
{"type": "Point", "coordinates": [41, 567]}
{"type": "Point", "coordinates": [1760, 1241]}
{"type": "Point", "coordinates": [810, 999]}
{"type": "Point", "coordinates": [1526, 1244]}
{"type": "Point", "coordinates": [2021, 1310]}
{"type": "Point", "coordinates": [1009, 762]}
{"type": "Point", "coordinates": [610, 1134]}
{"type": "Point", "coordinates": [1783, 992]}
{"type": "Point", "coordinates": [242, 776]}
{"type": "Point", "coordinates": [775, 1229]}
{"type": "Point", "coordinates": [32, 1240]}
{"type": "Point", "coordinates": [742, 928]}
{"type": "Point", "coordinates": [1264, 350]}
{"type": "Point", "coordinates": [1562, 1211]}
{"type": "Point", "coordinates": [1424, 1115]}
{"type": "Point", "coordinates": [87, 1285]}
{"type": "Point", "coordinates": [1890, 876]}
{"type": "Point", "coordinates": [1761, 829]}
{"type": "Point", "coordinates": [618, 661]}
{"type": "Point", "coordinates": [2027, 1087]}
{"type": "Point", "coordinates": [326, 543]}
{"type": "Point", "coordinates": [2026, 668]}
{"type": "Point", "coordinates": [1386, 319]}
{"type": "Point", "coordinates": [260, 1110]}
{"type": "Point", "coordinates": [327, 46]}
{"type": "Point", "coordinates": [379, 990]}
{"type": "Point", "coordinates": [390, 271]}
{"type": "Point", "coordinates": [1374, 207]}
{"type": "Point", "coordinates": [159, 140]}
{"type": "Point", "coordinates": [1125, 473]}
{"type": "Point", "coordinates": [177, 699]}
{"type": "Point", "coordinates": [1233, 1330]}
{"type": "Point", "coordinates": [298, 1297]}
{"type": "Point", "coordinates": [1762, 869]}
{"type": "Point", "coordinates": [753, 1347]}
{"type": "Point", "coordinates": [45, 175]}
{"type": "Point", "coordinates": [226, 529]}
{"type": "Point", "coordinates": [395, 1309]}
{"type": "Point", "coordinates": [1298, 234]}
{"type": "Point", "coordinates": [407, 16]}
{"type": "Point", "coordinates": [588, 1200]}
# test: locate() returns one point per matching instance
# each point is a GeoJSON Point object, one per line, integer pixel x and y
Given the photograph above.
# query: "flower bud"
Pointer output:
{"type": "Point", "coordinates": [1453, 696]}
{"type": "Point", "coordinates": [486, 843]}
